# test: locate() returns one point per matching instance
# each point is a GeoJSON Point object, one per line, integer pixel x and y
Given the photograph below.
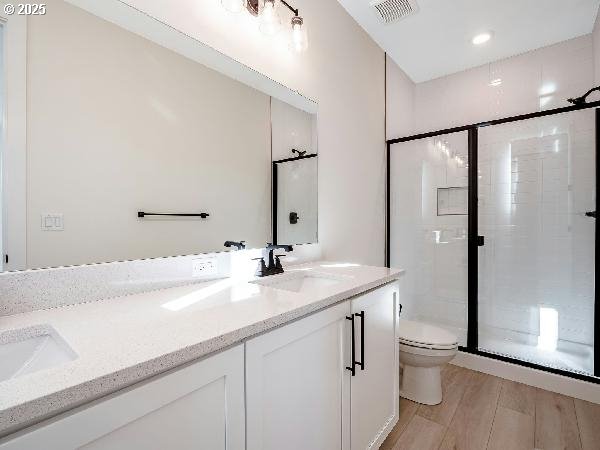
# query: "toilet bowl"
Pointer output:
{"type": "Point", "coordinates": [424, 349]}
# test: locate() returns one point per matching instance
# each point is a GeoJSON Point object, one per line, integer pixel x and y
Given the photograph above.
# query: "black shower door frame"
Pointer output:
{"type": "Point", "coordinates": [274, 189]}
{"type": "Point", "coordinates": [473, 233]}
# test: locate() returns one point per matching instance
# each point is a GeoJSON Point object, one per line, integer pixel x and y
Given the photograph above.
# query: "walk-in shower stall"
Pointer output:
{"type": "Point", "coordinates": [495, 224]}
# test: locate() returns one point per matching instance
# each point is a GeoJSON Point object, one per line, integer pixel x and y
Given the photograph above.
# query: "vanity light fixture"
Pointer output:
{"type": "Point", "coordinates": [270, 22]}
{"type": "Point", "coordinates": [299, 40]}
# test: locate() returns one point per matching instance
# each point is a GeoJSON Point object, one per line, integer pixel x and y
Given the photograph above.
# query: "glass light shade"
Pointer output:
{"type": "Point", "coordinates": [299, 36]}
{"type": "Point", "coordinates": [270, 22]}
{"type": "Point", "coordinates": [234, 6]}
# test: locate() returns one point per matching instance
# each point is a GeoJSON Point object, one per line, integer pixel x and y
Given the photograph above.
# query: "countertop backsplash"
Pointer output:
{"type": "Point", "coordinates": [32, 290]}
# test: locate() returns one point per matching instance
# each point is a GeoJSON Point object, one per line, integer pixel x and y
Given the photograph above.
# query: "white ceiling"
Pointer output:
{"type": "Point", "coordinates": [437, 40]}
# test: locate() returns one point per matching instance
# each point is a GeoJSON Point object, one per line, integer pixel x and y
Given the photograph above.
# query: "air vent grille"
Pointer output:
{"type": "Point", "coordinates": [392, 10]}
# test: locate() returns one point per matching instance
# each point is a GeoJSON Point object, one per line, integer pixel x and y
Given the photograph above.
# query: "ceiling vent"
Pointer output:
{"type": "Point", "coordinates": [390, 11]}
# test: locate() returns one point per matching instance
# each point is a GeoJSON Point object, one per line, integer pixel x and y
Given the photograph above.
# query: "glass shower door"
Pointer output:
{"type": "Point", "coordinates": [536, 268]}
{"type": "Point", "coordinates": [429, 188]}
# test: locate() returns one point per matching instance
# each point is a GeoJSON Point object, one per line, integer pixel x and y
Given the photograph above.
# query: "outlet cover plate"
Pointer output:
{"type": "Point", "coordinates": [205, 267]}
{"type": "Point", "coordinates": [52, 222]}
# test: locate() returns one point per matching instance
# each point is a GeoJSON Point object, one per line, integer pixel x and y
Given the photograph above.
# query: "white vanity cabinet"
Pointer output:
{"type": "Point", "coordinates": [290, 388]}
{"type": "Point", "coordinates": [299, 392]}
{"type": "Point", "coordinates": [198, 407]}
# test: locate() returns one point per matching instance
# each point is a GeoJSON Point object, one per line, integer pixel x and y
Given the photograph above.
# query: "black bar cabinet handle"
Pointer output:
{"type": "Point", "coordinates": [361, 363]}
{"type": "Point", "coordinates": [144, 214]}
{"type": "Point", "coordinates": [352, 369]}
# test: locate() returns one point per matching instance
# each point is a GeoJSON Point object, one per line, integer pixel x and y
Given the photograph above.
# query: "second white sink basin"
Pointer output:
{"type": "Point", "coordinates": [31, 349]}
{"type": "Point", "coordinates": [301, 281]}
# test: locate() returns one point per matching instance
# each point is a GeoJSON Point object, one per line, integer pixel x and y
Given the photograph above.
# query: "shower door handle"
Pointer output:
{"type": "Point", "coordinates": [591, 214]}
{"type": "Point", "coordinates": [480, 241]}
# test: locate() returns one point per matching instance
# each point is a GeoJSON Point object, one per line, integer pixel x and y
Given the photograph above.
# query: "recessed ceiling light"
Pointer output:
{"type": "Point", "coordinates": [496, 82]}
{"type": "Point", "coordinates": [481, 38]}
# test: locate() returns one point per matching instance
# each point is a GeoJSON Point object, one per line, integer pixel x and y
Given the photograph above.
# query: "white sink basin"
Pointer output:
{"type": "Point", "coordinates": [301, 281]}
{"type": "Point", "coordinates": [31, 349]}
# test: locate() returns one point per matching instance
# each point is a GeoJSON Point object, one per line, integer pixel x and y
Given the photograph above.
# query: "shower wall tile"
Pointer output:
{"type": "Point", "coordinates": [536, 80]}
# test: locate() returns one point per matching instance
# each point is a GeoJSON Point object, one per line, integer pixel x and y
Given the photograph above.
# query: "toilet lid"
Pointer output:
{"type": "Point", "coordinates": [424, 335]}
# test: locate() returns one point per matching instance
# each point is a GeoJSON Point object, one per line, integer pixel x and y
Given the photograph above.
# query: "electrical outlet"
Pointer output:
{"type": "Point", "coordinates": [203, 267]}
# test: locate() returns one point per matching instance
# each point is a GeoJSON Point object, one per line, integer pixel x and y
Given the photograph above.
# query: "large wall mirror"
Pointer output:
{"type": "Point", "coordinates": [125, 119]}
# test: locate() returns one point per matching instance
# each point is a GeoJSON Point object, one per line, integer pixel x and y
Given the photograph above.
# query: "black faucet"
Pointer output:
{"type": "Point", "coordinates": [273, 266]}
{"type": "Point", "coordinates": [239, 245]}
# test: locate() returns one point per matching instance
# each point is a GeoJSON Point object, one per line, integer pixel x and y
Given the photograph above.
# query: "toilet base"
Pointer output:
{"type": "Point", "coordinates": [421, 385]}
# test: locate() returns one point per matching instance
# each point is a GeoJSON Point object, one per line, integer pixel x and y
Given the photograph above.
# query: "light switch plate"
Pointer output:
{"type": "Point", "coordinates": [203, 267]}
{"type": "Point", "coordinates": [52, 222]}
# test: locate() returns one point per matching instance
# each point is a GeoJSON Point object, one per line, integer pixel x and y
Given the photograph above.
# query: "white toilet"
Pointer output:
{"type": "Point", "coordinates": [424, 349]}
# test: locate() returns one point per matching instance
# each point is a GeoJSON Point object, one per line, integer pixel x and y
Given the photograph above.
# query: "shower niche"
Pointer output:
{"type": "Point", "coordinates": [452, 201]}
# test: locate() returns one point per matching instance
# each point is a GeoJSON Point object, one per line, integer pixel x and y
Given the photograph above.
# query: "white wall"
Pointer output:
{"type": "Point", "coordinates": [343, 70]}
{"type": "Point", "coordinates": [117, 124]}
{"type": "Point", "coordinates": [400, 101]}
{"type": "Point", "coordinates": [596, 48]}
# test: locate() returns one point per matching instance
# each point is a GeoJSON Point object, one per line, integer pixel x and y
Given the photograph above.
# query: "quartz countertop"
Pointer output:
{"type": "Point", "coordinates": [124, 340]}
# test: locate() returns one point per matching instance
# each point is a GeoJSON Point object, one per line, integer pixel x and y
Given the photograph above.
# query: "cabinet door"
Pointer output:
{"type": "Point", "coordinates": [198, 407]}
{"type": "Point", "coordinates": [295, 384]}
{"type": "Point", "coordinates": [374, 388]}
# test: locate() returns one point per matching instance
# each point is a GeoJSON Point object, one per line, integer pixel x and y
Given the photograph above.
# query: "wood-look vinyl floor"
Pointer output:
{"type": "Point", "coordinates": [483, 412]}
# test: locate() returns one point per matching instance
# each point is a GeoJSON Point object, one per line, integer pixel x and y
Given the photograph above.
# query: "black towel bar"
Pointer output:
{"type": "Point", "coordinates": [144, 214]}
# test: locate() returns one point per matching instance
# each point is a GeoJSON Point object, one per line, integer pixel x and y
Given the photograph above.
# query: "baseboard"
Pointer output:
{"type": "Point", "coordinates": [533, 377]}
